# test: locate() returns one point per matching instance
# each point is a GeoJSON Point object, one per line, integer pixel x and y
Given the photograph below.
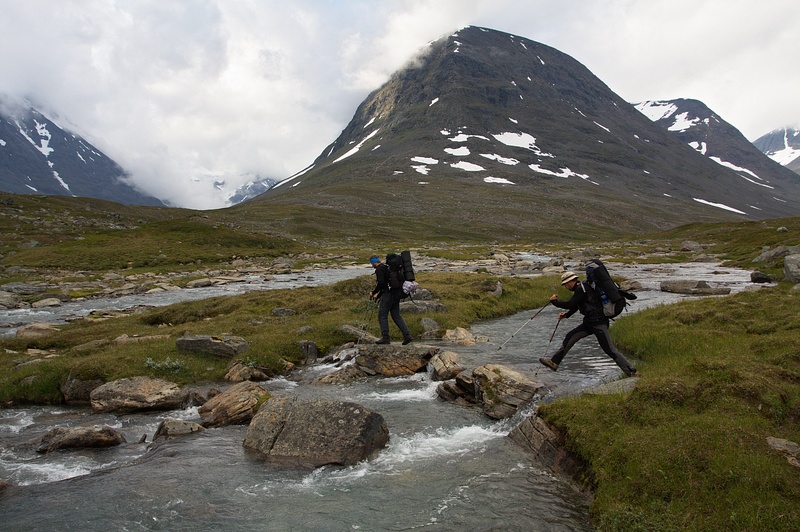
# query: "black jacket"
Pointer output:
{"type": "Point", "coordinates": [382, 280]}
{"type": "Point", "coordinates": [585, 300]}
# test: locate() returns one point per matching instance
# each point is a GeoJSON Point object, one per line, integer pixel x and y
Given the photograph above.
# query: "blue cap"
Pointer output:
{"type": "Point", "coordinates": [374, 260]}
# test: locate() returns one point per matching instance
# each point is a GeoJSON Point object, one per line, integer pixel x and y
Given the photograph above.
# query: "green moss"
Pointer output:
{"type": "Point", "coordinates": [687, 449]}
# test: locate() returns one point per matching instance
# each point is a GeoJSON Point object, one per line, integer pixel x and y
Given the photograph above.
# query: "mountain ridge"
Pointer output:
{"type": "Point", "coordinates": [486, 112]}
{"type": "Point", "coordinates": [37, 156]}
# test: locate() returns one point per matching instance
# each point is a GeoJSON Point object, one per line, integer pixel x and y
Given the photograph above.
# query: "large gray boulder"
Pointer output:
{"type": "Point", "coordinates": [137, 394]}
{"type": "Point", "coordinates": [79, 438]}
{"type": "Point", "coordinates": [315, 433]}
{"type": "Point", "coordinates": [235, 406]}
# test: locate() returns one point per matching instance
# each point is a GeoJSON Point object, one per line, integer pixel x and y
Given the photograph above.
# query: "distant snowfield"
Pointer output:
{"type": "Point", "coordinates": [787, 154]}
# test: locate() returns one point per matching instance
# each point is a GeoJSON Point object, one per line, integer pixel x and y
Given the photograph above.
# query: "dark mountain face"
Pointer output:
{"type": "Point", "coordinates": [489, 128]}
{"type": "Point", "coordinates": [782, 146]}
{"type": "Point", "coordinates": [698, 126]}
{"type": "Point", "coordinates": [38, 157]}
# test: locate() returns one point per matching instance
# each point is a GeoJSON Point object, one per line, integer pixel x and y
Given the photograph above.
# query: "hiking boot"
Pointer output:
{"type": "Point", "coordinates": [383, 340]}
{"type": "Point", "coordinates": [407, 339]}
{"type": "Point", "coordinates": [631, 373]}
{"type": "Point", "coordinates": [549, 363]}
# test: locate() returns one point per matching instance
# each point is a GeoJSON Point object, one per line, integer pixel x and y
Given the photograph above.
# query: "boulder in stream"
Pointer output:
{"type": "Point", "coordinates": [500, 391]}
{"type": "Point", "coordinates": [392, 360]}
{"type": "Point", "coordinates": [315, 433]}
{"type": "Point", "coordinates": [235, 406]}
{"type": "Point", "coordinates": [79, 438]}
{"type": "Point", "coordinates": [137, 394]}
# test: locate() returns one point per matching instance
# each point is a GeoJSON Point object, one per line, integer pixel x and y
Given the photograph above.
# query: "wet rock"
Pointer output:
{"type": "Point", "coordinates": [136, 394]}
{"type": "Point", "coordinates": [445, 365]}
{"type": "Point", "coordinates": [235, 406]}
{"type": "Point", "coordinates": [171, 428]}
{"type": "Point", "coordinates": [392, 360]}
{"type": "Point", "coordinates": [79, 438]}
{"type": "Point", "coordinates": [537, 436]}
{"type": "Point", "coordinates": [315, 433]}
{"type": "Point", "coordinates": [225, 347]}
{"type": "Point", "coordinates": [502, 391]}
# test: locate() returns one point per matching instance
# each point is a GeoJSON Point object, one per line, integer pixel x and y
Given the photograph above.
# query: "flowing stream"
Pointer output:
{"type": "Point", "coordinates": [445, 468]}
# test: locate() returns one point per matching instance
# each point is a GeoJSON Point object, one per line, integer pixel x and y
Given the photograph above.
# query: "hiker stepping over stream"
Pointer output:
{"type": "Point", "coordinates": [587, 300]}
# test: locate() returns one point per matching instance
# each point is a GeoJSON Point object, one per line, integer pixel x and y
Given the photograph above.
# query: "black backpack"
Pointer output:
{"type": "Point", "coordinates": [612, 297]}
{"type": "Point", "coordinates": [401, 273]}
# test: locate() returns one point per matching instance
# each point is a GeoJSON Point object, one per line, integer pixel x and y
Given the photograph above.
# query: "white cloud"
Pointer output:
{"type": "Point", "coordinates": [188, 92]}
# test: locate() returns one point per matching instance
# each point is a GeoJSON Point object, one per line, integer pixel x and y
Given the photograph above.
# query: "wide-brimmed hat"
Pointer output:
{"type": "Point", "coordinates": [567, 277]}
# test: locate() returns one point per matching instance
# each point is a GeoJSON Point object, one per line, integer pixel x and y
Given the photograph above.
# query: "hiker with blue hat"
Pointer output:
{"type": "Point", "coordinates": [389, 303]}
{"type": "Point", "coordinates": [586, 301]}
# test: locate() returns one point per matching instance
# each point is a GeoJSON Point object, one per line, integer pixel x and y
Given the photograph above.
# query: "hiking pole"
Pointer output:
{"type": "Point", "coordinates": [551, 338]}
{"type": "Point", "coordinates": [367, 318]}
{"type": "Point", "coordinates": [523, 325]}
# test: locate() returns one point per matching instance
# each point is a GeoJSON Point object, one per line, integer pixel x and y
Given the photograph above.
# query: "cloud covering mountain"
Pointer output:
{"type": "Point", "coordinates": [187, 95]}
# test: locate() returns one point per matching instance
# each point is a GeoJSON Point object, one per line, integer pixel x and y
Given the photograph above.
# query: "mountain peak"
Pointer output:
{"type": "Point", "coordinates": [490, 125]}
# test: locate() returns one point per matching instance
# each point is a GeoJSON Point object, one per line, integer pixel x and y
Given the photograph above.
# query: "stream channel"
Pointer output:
{"type": "Point", "coordinates": [445, 468]}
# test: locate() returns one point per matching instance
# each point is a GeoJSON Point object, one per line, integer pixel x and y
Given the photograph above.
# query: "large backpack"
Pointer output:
{"type": "Point", "coordinates": [612, 297]}
{"type": "Point", "coordinates": [401, 274]}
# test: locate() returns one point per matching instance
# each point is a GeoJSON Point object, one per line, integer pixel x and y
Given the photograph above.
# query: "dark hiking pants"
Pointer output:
{"type": "Point", "coordinates": [390, 304]}
{"type": "Point", "coordinates": [600, 331]}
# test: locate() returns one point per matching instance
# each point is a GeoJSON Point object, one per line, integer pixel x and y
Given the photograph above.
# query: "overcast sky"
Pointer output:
{"type": "Point", "coordinates": [185, 92]}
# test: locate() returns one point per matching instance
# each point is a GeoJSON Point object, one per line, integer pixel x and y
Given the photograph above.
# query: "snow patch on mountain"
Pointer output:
{"type": "Point", "coordinates": [741, 170]}
{"type": "Point", "coordinates": [462, 151]}
{"type": "Point", "coordinates": [499, 180]}
{"type": "Point", "coordinates": [467, 166]}
{"type": "Point", "coordinates": [719, 206]}
{"type": "Point", "coordinates": [656, 110]}
{"type": "Point", "coordinates": [357, 147]}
